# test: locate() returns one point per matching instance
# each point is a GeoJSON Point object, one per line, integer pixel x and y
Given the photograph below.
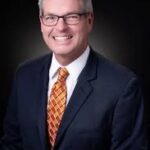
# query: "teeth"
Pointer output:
{"type": "Point", "coordinates": [61, 38]}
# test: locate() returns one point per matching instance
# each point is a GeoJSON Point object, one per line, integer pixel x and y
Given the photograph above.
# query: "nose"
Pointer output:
{"type": "Point", "coordinates": [61, 25]}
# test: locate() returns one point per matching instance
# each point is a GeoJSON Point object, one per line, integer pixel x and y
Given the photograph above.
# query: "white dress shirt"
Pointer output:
{"type": "Point", "coordinates": [74, 69]}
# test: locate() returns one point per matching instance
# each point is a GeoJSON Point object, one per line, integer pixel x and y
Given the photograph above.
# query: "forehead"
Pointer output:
{"type": "Point", "coordinates": [61, 6]}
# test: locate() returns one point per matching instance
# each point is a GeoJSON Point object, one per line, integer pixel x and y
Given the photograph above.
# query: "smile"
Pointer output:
{"type": "Point", "coordinates": [62, 38]}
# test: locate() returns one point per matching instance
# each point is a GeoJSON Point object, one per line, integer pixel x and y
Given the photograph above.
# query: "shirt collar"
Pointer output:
{"type": "Point", "coordinates": [54, 67]}
{"type": "Point", "coordinates": [74, 68]}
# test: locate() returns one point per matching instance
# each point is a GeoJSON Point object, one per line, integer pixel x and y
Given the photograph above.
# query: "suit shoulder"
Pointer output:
{"type": "Point", "coordinates": [34, 64]}
{"type": "Point", "coordinates": [113, 77]}
{"type": "Point", "coordinates": [113, 69]}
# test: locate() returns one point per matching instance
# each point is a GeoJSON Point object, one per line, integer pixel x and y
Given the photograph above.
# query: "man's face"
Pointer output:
{"type": "Point", "coordinates": [66, 41]}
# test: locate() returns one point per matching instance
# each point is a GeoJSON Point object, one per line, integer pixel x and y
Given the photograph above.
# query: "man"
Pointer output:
{"type": "Point", "coordinates": [99, 103]}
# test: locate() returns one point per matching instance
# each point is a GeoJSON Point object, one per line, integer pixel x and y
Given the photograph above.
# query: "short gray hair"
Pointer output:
{"type": "Point", "coordinates": [87, 5]}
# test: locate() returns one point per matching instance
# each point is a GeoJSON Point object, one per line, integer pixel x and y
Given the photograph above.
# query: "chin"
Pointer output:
{"type": "Point", "coordinates": [62, 49]}
{"type": "Point", "coordinates": [62, 52]}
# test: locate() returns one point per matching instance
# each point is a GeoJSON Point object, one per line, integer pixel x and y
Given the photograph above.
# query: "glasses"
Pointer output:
{"type": "Point", "coordinates": [69, 19]}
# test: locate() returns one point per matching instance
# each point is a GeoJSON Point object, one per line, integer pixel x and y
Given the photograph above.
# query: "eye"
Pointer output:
{"type": "Point", "coordinates": [50, 17]}
{"type": "Point", "coordinates": [73, 17]}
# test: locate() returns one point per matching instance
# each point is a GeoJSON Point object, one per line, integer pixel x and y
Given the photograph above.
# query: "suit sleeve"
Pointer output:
{"type": "Point", "coordinates": [12, 138]}
{"type": "Point", "coordinates": [127, 126]}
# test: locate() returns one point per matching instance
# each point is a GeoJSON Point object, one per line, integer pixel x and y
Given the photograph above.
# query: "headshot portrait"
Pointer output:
{"type": "Point", "coordinates": [75, 76]}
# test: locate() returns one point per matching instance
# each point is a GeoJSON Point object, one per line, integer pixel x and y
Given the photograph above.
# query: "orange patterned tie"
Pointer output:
{"type": "Point", "coordinates": [56, 104]}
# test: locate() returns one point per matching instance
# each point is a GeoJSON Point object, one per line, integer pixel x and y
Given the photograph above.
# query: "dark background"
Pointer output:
{"type": "Point", "coordinates": [121, 33]}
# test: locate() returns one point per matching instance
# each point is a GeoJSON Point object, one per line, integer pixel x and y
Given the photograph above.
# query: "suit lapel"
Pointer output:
{"type": "Point", "coordinates": [42, 88]}
{"type": "Point", "coordinates": [80, 95]}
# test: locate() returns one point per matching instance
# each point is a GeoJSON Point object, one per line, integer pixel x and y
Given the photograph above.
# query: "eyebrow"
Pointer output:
{"type": "Point", "coordinates": [69, 13]}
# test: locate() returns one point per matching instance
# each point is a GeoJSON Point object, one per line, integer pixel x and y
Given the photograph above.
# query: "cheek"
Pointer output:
{"type": "Point", "coordinates": [85, 27]}
{"type": "Point", "coordinates": [45, 30]}
{"type": "Point", "coordinates": [90, 27]}
{"type": "Point", "coordinates": [83, 32]}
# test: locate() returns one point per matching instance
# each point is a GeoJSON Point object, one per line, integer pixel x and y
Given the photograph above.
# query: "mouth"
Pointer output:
{"type": "Point", "coordinates": [62, 38]}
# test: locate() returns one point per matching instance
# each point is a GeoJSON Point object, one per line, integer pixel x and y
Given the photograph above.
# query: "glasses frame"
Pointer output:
{"type": "Point", "coordinates": [64, 17]}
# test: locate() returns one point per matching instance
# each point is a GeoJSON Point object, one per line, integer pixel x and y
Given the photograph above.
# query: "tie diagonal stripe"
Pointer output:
{"type": "Point", "coordinates": [56, 105]}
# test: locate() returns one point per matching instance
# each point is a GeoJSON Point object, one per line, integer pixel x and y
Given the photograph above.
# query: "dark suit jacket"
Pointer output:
{"type": "Point", "coordinates": [105, 111]}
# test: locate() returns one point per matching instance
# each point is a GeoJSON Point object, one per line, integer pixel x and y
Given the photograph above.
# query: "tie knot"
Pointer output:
{"type": "Point", "coordinates": [62, 74]}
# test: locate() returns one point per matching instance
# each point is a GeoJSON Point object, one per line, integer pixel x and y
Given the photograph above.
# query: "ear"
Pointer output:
{"type": "Point", "coordinates": [90, 21]}
{"type": "Point", "coordinates": [91, 18]}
